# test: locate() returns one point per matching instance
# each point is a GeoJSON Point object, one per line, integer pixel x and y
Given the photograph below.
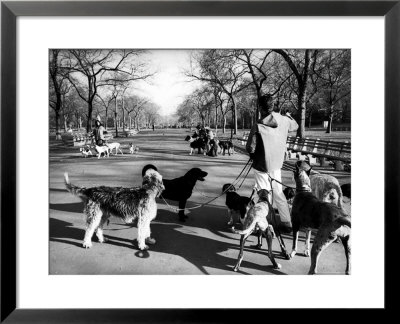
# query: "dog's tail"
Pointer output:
{"type": "Point", "coordinates": [247, 231]}
{"type": "Point", "coordinates": [75, 190]}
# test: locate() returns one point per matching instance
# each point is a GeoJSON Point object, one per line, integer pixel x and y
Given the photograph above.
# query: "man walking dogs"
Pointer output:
{"type": "Point", "coordinates": [266, 146]}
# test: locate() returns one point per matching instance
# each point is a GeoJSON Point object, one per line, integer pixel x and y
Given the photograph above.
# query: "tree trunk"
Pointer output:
{"type": "Point", "coordinates": [89, 120]}
{"type": "Point", "coordinates": [330, 116]}
{"type": "Point", "coordinates": [301, 112]}
{"type": "Point", "coordinates": [58, 130]}
{"type": "Point", "coordinates": [234, 116]}
{"type": "Point", "coordinates": [116, 124]}
{"type": "Point", "coordinates": [224, 125]}
{"type": "Point", "coordinates": [65, 123]}
{"type": "Point", "coordinates": [106, 121]}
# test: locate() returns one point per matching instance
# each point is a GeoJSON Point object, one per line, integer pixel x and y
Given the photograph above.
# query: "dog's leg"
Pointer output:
{"type": "Point", "coordinates": [282, 244]}
{"type": "Point", "coordinates": [294, 245]}
{"type": "Point", "coordinates": [323, 239]}
{"type": "Point", "coordinates": [347, 250]}
{"type": "Point", "coordinates": [148, 239]}
{"type": "Point", "coordinates": [94, 216]}
{"type": "Point", "coordinates": [230, 217]}
{"type": "Point", "coordinates": [269, 236]}
{"type": "Point", "coordinates": [99, 230]}
{"type": "Point", "coordinates": [243, 239]}
{"type": "Point", "coordinates": [143, 232]}
{"type": "Point", "coordinates": [181, 212]}
{"type": "Point", "coordinates": [307, 243]}
{"type": "Point", "coordinates": [259, 241]}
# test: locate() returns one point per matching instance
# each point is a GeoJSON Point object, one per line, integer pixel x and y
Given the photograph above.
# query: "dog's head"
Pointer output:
{"type": "Point", "coordinates": [289, 193]}
{"type": "Point", "coordinates": [302, 175]}
{"type": "Point", "coordinates": [196, 174]}
{"type": "Point", "coordinates": [153, 180]}
{"type": "Point", "coordinates": [187, 138]}
{"type": "Point", "coordinates": [228, 187]}
{"type": "Point", "coordinates": [263, 194]}
{"type": "Point", "coordinates": [148, 167]}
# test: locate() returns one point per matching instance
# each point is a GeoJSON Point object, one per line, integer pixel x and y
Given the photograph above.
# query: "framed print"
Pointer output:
{"type": "Point", "coordinates": [46, 275]}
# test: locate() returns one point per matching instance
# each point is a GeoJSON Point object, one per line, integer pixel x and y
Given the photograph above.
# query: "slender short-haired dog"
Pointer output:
{"type": "Point", "coordinates": [235, 203]}
{"type": "Point", "coordinates": [102, 149]}
{"type": "Point", "coordinates": [115, 146]}
{"type": "Point", "coordinates": [128, 204]}
{"type": "Point", "coordinates": [256, 219]}
{"type": "Point", "coordinates": [309, 212]}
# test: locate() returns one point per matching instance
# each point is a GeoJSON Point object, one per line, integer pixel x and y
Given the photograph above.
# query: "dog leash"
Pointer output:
{"type": "Point", "coordinates": [233, 183]}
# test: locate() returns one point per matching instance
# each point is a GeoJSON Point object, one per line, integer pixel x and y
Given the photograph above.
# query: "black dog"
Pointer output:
{"type": "Point", "coordinates": [226, 145]}
{"type": "Point", "coordinates": [234, 202]}
{"type": "Point", "coordinates": [180, 189]}
{"type": "Point", "coordinates": [196, 143]}
{"type": "Point", "coordinates": [213, 151]}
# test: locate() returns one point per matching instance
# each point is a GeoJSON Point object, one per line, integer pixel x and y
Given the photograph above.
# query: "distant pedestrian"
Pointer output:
{"type": "Point", "coordinates": [98, 133]}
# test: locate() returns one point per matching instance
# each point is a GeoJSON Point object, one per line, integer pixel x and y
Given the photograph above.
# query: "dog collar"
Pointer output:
{"type": "Point", "coordinates": [304, 188]}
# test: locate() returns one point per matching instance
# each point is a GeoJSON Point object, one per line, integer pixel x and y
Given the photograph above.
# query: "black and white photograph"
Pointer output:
{"type": "Point", "coordinates": [199, 161]}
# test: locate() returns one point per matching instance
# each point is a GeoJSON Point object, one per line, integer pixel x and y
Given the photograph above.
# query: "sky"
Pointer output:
{"type": "Point", "coordinates": [169, 85]}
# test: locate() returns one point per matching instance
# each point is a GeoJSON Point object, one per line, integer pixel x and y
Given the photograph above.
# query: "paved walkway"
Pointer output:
{"type": "Point", "coordinates": [202, 245]}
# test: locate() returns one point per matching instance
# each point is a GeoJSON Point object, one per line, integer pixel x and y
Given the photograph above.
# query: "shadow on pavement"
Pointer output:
{"type": "Point", "coordinates": [172, 238]}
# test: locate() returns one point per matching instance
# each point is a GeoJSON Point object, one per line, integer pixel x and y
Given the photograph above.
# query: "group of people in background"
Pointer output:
{"type": "Point", "coordinates": [206, 135]}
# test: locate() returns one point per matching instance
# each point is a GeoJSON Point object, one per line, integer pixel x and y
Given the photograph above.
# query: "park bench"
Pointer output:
{"type": "Point", "coordinates": [80, 138]}
{"type": "Point", "coordinates": [325, 150]}
{"type": "Point", "coordinates": [129, 132]}
{"type": "Point", "coordinates": [244, 138]}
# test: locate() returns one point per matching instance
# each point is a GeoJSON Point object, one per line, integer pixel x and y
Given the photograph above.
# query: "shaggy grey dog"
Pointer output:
{"type": "Point", "coordinates": [128, 204]}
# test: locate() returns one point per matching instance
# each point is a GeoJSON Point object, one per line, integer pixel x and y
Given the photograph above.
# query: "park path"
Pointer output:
{"type": "Point", "coordinates": [202, 245]}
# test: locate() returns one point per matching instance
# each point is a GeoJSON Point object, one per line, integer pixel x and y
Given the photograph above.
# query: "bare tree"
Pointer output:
{"type": "Point", "coordinates": [218, 67]}
{"type": "Point", "coordinates": [87, 70]}
{"type": "Point", "coordinates": [106, 102]}
{"type": "Point", "coordinates": [135, 105]}
{"type": "Point", "coordinates": [59, 87]}
{"type": "Point", "coordinates": [333, 77]}
{"type": "Point", "coordinates": [300, 66]}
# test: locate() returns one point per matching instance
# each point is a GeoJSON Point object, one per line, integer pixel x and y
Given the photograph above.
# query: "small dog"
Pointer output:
{"type": "Point", "coordinates": [180, 189]}
{"type": "Point", "coordinates": [309, 212]}
{"type": "Point", "coordinates": [102, 149]}
{"type": "Point", "coordinates": [256, 219]}
{"type": "Point", "coordinates": [226, 146]}
{"type": "Point", "coordinates": [133, 149]}
{"type": "Point", "coordinates": [196, 143]}
{"type": "Point", "coordinates": [128, 204]}
{"type": "Point", "coordinates": [235, 203]}
{"type": "Point", "coordinates": [85, 151]}
{"type": "Point", "coordinates": [115, 146]}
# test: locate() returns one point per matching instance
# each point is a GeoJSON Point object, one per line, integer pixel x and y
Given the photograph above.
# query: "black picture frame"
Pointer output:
{"type": "Point", "coordinates": [9, 13]}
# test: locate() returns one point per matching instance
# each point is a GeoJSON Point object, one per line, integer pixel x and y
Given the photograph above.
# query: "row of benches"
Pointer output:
{"type": "Point", "coordinates": [80, 139]}
{"type": "Point", "coordinates": [312, 148]}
